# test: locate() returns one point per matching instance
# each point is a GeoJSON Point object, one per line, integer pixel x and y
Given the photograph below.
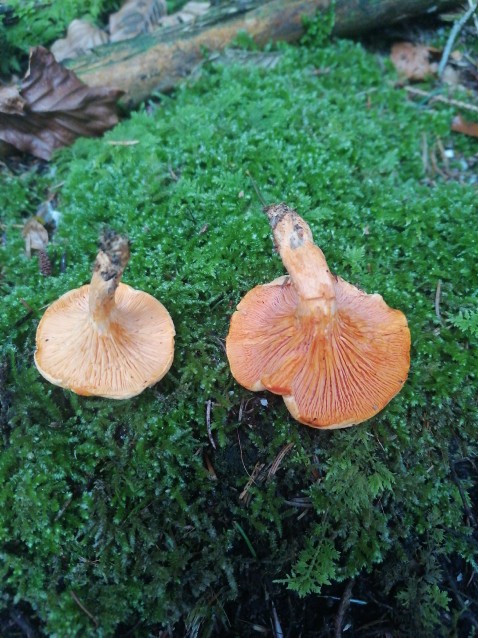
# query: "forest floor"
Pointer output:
{"type": "Point", "coordinates": [202, 509]}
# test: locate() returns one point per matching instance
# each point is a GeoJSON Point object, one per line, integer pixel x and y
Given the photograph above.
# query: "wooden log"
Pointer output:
{"type": "Point", "coordinates": [353, 17]}
{"type": "Point", "coordinates": [159, 61]}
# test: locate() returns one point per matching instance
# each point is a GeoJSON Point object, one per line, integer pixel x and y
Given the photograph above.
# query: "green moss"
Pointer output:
{"type": "Point", "coordinates": [113, 504]}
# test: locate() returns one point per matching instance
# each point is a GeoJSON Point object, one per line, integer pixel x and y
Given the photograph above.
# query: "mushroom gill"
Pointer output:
{"type": "Point", "coordinates": [106, 338]}
{"type": "Point", "coordinates": [336, 354]}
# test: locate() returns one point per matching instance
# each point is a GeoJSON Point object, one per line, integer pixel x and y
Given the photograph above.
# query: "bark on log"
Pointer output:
{"type": "Point", "coordinates": [353, 17]}
{"type": "Point", "coordinates": [159, 61]}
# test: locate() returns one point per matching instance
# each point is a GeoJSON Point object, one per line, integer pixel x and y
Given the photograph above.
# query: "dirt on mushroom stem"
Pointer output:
{"type": "Point", "coordinates": [106, 338]}
{"type": "Point", "coordinates": [107, 272]}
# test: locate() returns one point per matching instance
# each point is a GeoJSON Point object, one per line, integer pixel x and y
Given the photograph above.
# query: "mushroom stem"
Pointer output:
{"type": "Point", "coordinates": [107, 271]}
{"type": "Point", "coordinates": [304, 261]}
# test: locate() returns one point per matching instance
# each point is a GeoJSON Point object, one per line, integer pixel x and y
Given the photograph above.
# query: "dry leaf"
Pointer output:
{"type": "Point", "coordinates": [52, 107]}
{"type": "Point", "coordinates": [36, 236]}
{"type": "Point", "coordinates": [413, 60]}
{"type": "Point", "coordinates": [459, 125]}
{"type": "Point", "coordinates": [82, 36]}
{"type": "Point", "coordinates": [135, 17]}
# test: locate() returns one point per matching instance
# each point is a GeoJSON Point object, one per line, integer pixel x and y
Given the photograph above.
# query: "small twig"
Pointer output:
{"type": "Point", "coordinates": [425, 153]}
{"type": "Point", "coordinates": [278, 460]}
{"type": "Point", "coordinates": [252, 480]}
{"type": "Point", "coordinates": [258, 192]}
{"type": "Point", "coordinates": [208, 422]}
{"type": "Point", "coordinates": [65, 506]}
{"type": "Point", "coordinates": [260, 629]}
{"type": "Point", "coordinates": [122, 142]}
{"type": "Point", "coordinates": [314, 470]}
{"type": "Point", "coordinates": [276, 626]}
{"type": "Point", "coordinates": [210, 467]}
{"type": "Point", "coordinates": [375, 435]}
{"type": "Point", "coordinates": [240, 451]}
{"type": "Point", "coordinates": [437, 301]}
{"type": "Point", "coordinates": [343, 607]}
{"type": "Point", "coordinates": [26, 305]}
{"type": "Point", "coordinates": [246, 539]}
{"type": "Point", "coordinates": [243, 408]}
{"type": "Point", "coordinates": [219, 342]}
{"type": "Point", "coordinates": [30, 312]}
{"type": "Point", "coordinates": [55, 188]}
{"type": "Point", "coordinates": [173, 174]}
{"type": "Point", "coordinates": [300, 502]}
{"type": "Point", "coordinates": [444, 158]}
{"type": "Point", "coordinates": [434, 162]}
{"type": "Point", "coordinates": [355, 601]}
{"type": "Point", "coordinates": [463, 496]}
{"type": "Point", "coordinates": [475, 17]}
{"type": "Point", "coordinates": [83, 608]}
{"type": "Point", "coordinates": [19, 619]}
{"type": "Point", "coordinates": [457, 27]}
{"type": "Point", "coordinates": [429, 97]}
{"type": "Point", "coordinates": [464, 603]}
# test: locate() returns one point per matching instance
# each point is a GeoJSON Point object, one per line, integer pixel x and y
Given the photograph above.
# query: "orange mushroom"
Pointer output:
{"type": "Point", "coordinates": [106, 338]}
{"type": "Point", "coordinates": [336, 354]}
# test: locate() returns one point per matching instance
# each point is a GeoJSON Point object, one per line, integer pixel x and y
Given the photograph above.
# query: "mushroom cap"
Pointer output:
{"type": "Point", "coordinates": [134, 353]}
{"type": "Point", "coordinates": [332, 374]}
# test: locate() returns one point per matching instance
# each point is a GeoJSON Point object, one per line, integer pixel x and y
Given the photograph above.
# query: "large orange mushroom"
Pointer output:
{"type": "Point", "coordinates": [336, 354]}
{"type": "Point", "coordinates": [106, 338]}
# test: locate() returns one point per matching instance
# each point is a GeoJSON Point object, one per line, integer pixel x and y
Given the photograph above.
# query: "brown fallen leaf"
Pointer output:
{"type": "Point", "coordinates": [135, 17]}
{"type": "Point", "coordinates": [52, 107]}
{"type": "Point", "coordinates": [36, 236]}
{"type": "Point", "coordinates": [459, 125]}
{"type": "Point", "coordinates": [81, 36]}
{"type": "Point", "coordinates": [413, 61]}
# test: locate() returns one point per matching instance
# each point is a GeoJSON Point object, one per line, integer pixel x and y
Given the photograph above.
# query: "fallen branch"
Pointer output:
{"type": "Point", "coordinates": [430, 97]}
{"type": "Point", "coordinates": [457, 27]}
{"type": "Point", "coordinates": [160, 60]}
{"type": "Point", "coordinates": [343, 607]}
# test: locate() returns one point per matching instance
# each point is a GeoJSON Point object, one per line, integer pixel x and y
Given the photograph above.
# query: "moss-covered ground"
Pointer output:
{"type": "Point", "coordinates": [121, 518]}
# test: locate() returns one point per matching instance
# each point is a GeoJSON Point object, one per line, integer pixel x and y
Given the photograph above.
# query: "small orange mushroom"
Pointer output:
{"type": "Point", "coordinates": [336, 354]}
{"type": "Point", "coordinates": [106, 338]}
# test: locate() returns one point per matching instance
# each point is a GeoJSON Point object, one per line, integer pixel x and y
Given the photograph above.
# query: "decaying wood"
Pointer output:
{"type": "Point", "coordinates": [160, 60]}
{"type": "Point", "coordinates": [356, 16]}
